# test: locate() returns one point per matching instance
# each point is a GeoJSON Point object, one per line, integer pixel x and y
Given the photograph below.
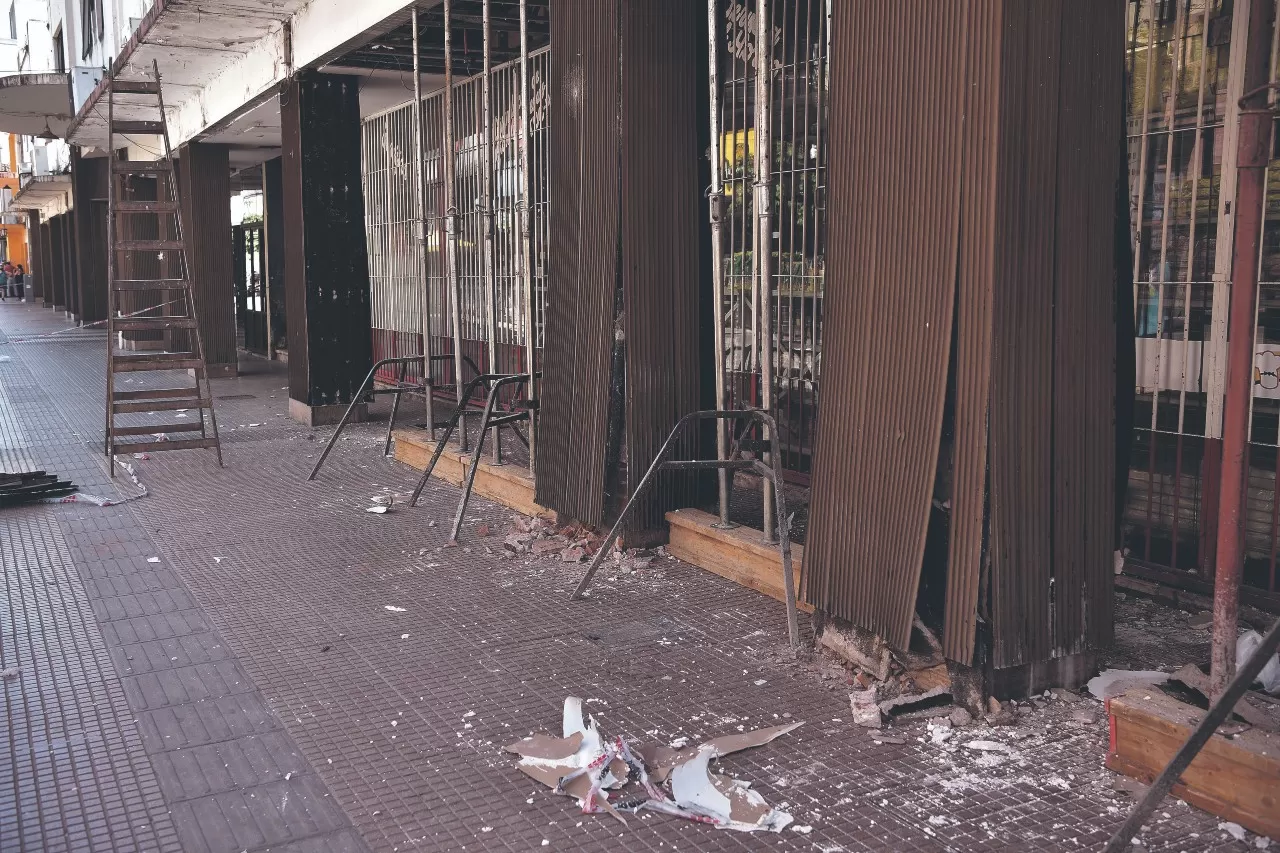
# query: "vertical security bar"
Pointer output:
{"type": "Point", "coordinates": [526, 254]}
{"type": "Point", "coordinates": [717, 206]}
{"type": "Point", "coordinates": [764, 240]}
{"type": "Point", "coordinates": [421, 235]}
{"type": "Point", "coordinates": [451, 215]}
{"type": "Point", "coordinates": [486, 211]}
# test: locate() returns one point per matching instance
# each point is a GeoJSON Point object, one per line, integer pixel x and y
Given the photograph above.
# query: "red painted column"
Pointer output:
{"type": "Point", "coordinates": [1254, 148]}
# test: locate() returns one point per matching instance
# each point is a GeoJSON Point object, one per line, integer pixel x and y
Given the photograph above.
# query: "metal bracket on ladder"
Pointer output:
{"type": "Point", "coordinates": [175, 308]}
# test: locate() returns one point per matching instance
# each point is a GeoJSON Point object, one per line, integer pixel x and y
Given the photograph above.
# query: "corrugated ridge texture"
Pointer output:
{"type": "Point", "coordinates": [1101, 36]}
{"type": "Point", "coordinates": [1021, 440]}
{"type": "Point", "coordinates": [1026, 220]}
{"type": "Point", "coordinates": [973, 331]}
{"type": "Point", "coordinates": [660, 228]}
{"type": "Point", "coordinates": [583, 257]}
{"type": "Point", "coordinates": [897, 97]}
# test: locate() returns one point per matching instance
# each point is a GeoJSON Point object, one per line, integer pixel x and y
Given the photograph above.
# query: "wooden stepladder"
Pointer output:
{"type": "Point", "coordinates": [148, 271]}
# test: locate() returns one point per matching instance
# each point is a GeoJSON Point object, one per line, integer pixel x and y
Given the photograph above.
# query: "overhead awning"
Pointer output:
{"type": "Point", "coordinates": [191, 42]}
{"type": "Point", "coordinates": [30, 103]}
{"type": "Point", "coordinates": [40, 191]}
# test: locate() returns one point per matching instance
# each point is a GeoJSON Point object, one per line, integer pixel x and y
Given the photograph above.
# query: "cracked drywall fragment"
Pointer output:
{"type": "Point", "coordinates": [730, 803]}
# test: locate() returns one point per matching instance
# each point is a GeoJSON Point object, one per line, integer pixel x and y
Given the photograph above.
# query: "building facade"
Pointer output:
{"type": "Point", "coordinates": [548, 206]}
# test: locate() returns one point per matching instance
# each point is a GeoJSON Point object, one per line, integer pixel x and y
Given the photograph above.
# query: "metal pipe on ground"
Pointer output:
{"type": "Point", "coordinates": [1253, 151]}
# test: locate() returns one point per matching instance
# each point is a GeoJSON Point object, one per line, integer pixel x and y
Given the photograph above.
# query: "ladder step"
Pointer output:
{"type": "Point", "coordinates": [149, 245]}
{"type": "Point", "coordinates": [154, 128]}
{"type": "Point", "coordinates": [151, 324]}
{"type": "Point", "coordinates": [161, 394]}
{"type": "Point", "coordinates": [163, 405]}
{"type": "Point", "coordinates": [178, 444]}
{"type": "Point", "coordinates": [141, 167]}
{"type": "Point", "coordinates": [179, 361]}
{"type": "Point", "coordinates": [135, 87]}
{"type": "Point", "coordinates": [193, 426]}
{"type": "Point", "coordinates": [146, 207]}
{"type": "Point", "coordinates": [150, 284]}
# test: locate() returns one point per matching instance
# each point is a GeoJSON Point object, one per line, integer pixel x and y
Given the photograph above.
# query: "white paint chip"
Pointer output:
{"type": "Point", "coordinates": [394, 609]}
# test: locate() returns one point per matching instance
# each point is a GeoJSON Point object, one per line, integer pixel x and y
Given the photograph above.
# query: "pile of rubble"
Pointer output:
{"type": "Point", "coordinates": [572, 543]}
{"type": "Point", "coordinates": [598, 772]}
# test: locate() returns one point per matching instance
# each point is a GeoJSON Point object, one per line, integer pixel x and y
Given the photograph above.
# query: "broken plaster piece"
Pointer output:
{"type": "Point", "coordinates": [729, 802]}
{"type": "Point", "coordinates": [584, 766]}
{"type": "Point", "coordinates": [1113, 682]}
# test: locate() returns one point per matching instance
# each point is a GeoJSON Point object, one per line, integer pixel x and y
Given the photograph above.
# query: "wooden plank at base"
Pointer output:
{"type": "Point", "coordinates": [509, 485]}
{"type": "Point", "coordinates": [738, 554]}
{"type": "Point", "coordinates": [1237, 779]}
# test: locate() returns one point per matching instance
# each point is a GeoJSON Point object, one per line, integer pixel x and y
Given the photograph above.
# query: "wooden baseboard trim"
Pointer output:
{"type": "Point", "coordinates": [738, 554]}
{"type": "Point", "coordinates": [1234, 778]}
{"type": "Point", "coordinates": [508, 485]}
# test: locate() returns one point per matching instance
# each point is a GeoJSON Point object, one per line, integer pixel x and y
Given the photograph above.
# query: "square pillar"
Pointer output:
{"type": "Point", "coordinates": [204, 175]}
{"type": "Point", "coordinates": [326, 264]}
{"type": "Point", "coordinates": [46, 262]}
{"type": "Point", "coordinates": [89, 186]}
{"type": "Point", "coordinates": [273, 237]}
{"type": "Point", "coordinates": [35, 257]}
{"type": "Point", "coordinates": [69, 265]}
{"type": "Point", "coordinates": [58, 265]}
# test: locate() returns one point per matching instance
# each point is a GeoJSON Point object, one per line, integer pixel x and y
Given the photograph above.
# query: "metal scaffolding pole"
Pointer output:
{"type": "Point", "coordinates": [526, 253]}
{"type": "Point", "coordinates": [486, 212]}
{"type": "Point", "coordinates": [451, 215]}
{"type": "Point", "coordinates": [764, 239]}
{"type": "Point", "coordinates": [1253, 152]}
{"type": "Point", "coordinates": [420, 182]}
{"type": "Point", "coordinates": [716, 199]}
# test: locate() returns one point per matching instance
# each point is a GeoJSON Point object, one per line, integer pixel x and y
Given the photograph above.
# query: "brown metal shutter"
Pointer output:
{"type": "Point", "coordinates": [583, 257]}
{"type": "Point", "coordinates": [897, 101]}
{"type": "Point", "coordinates": [1026, 249]}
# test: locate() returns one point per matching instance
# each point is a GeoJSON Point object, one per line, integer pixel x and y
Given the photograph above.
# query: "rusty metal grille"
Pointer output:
{"type": "Point", "coordinates": [1178, 62]}
{"type": "Point", "coordinates": [798, 122]}
{"type": "Point", "coordinates": [395, 260]}
{"type": "Point", "coordinates": [398, 276]}
{"type": "Point", "coordinates": [1183, 90]}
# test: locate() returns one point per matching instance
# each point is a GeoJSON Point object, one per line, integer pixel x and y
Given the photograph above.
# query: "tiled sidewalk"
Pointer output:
{"type": "Point", "coordinates": [252, 691]}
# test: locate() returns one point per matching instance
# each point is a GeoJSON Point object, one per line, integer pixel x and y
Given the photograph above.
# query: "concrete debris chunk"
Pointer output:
{"type": "Point", "coordinates": [866, 711]}
{"type": "Point", "coordinates": [584, 765]}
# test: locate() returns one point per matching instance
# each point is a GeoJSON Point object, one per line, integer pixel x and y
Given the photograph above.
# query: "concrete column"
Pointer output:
{"type": "Point", "coordinates": [89, 186]}
{"type": "Point", "coordinates": [35, 258]}
{"type": "Point", "coordinates": [204, 176]}
{"type": "Point", "coordinates": [273, 235]}
{"type": "Point", "coordinates": [58, 265]}
{"type": "Point", "coordinates": [326, 265]}
{"type": "Point", "coordinates": [47, 262]}
{"type": "Point", "coordinates": [69, 265]}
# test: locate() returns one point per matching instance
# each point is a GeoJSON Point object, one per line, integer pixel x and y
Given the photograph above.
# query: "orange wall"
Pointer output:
{"type": "Point", "coordinates": [15, 235]}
